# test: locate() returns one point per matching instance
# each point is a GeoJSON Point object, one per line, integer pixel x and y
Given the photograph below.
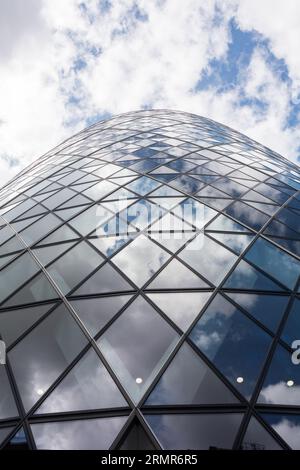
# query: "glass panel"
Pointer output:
{"type": "Point", "coordinates": [90, 219]}
{"type": "Point", "coordinates": [61, 234]}
{"type": "Point", "coordinates": [136, 439]}
{"type": "Point", "coordinates": [176, 276]}
{"type": "Point", "coordinates": [143, 185]}
{"type": "Point", "coordinates": [247, 215]}
{"type": "Point", "coordinates": [74, 266]}
{"type": "Point", "coordinates": [287, 426]}
{"type": "Point", "coordinates": [8, 407]}
{"type": "Point", "coordinates": [224, 224]}
{"type": "Point", "coordinates": [12, 245]}
{"type": "Point", "coordinates": [44, 354]}
{"type": "Point", "coordinates": [40, 228]}
{"type": "Point", "coordinates": [15, 274]}
{"type": "Point", "coordinates": [85, 434]}
{"type": "Point", "coordinates": [181, 308]}
{"type": "Point", "coordinates": [245, 276]}
{"type": "Point", "coordinates": [88, 386]}
{"type": "Point", "coordinates": [194, 213]}
{"type": "Point", "coordinates": [36, 290]}
{"type": "Point", "coordinates": [142, 213]}
{"type": "Point", "coordinates": [235, 345]}
{"type": "Point", "coordinates": [236, 242]}
{"type": "Point", "coordinates": [187, 184]}
{"type": "Point", "coordinates": [13, 323]}
{"type": "Point", "coordinates": [140, 259]}
{"type": "Point", "coordinates": [275, 262]}
{"type": "Point", "coordinates": [46, 254]}
{"type": "Point", "coordinates": [208, 258]}
{"type": "Point", "coordinates": [198, 385]}
{"type": "Point", "coordinates": [195, 431]}
{"type": "Point", "coordinates": [282, 383]}
{"type": "Point", "coordinates": [268, 309]}
{"type": "Point", "coordinates": [100, 190]}
{"type": "Point", "coordinates": [96, 313]}
{"type": "Point", "coordinates": [108, 245]}
{"type": "Point", "coordinates": [258, 438]}
{"type": "Point", "coordinates": [107, 279]}
{"type": "Point", "coordinates": [136, 346]}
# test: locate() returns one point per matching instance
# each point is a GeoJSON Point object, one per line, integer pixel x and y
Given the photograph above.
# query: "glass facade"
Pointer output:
{"type": "Point", "coordinates": [149, 291]}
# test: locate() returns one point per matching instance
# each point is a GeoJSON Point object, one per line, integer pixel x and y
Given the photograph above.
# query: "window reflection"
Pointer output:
{"type": "Point", "coordinates": [235, 345]}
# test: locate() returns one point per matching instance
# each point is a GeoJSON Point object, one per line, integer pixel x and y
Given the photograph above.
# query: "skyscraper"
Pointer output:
{"type": "Point", "coordinates": [149, 291]}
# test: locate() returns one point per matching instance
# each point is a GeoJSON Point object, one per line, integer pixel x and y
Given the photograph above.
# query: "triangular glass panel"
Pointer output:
{"type": "Point", "coordinates": [207, 431]}
{"type": "Point", "coordinates": [167, 202]}
{"type": "Point", "coordinates": [198, 384]}
{"type": "Point", "coordinates": [268, 309]}
{"type": "Point", "coordinates": [234, 344]}
{"type": "Point", "coordinates": [46, 254]}
{"type": "Point", "coordinates": [237, 242]}
{"type": "Point", "coordinates": [207, 257]}
{"type": "Point", "coordinates": [136, 439]}
{"type": "Point", "coordinates": [83, 434]}
{"type": "Point", "coordinates": [282, 382]}
{"type": "Point", "coordinates": [172, 241]}
{"type": "Point", "coordinates": [246, 277]}
{"type": "Point", "coordinates": [287, 427]}
{"type": "Point", "coordinates": [176, 276]}
{"type": "Point", "coordinates": [17, 442]}
{"type": "Point", "coordinates": [181, 308]}
{"type": "Point", "coordinates": [136, 345]}
{"type": "Point", "coordinates": [258, 438]}
{"type": "Point", "coordinates": [108, 245]}
{"type": "Point", "coordinates": [275, 262]}
{"type": "Point", "coordinates": [58, 340]}
{"type": "Point", "coordinates": [13, 323]}
{"type": "Point", "coordinates": [38, 289]}
{"type": "Point", "coordinates": [150, 259]}
{"type": "Point", "coordinates": [78, 200]}
{"type": "Point", "coordinates": [88, 386]}
{"type": "Point", "coordinates": [169, 223]}
{"type": "Point", "coordinates": [5, 259]}
{"type": "Point", "coordinates": [165, 191]}
{"type": "Point", "coordinates": [95, 313]}
{"type": "Point", "coordinates": [63, 233]}
{"type": "Point", "coordinates": [106, 279]}
{"type": "Point", "coordinates": [165, 178]}
{"type": "Point", "coordinates": [224, 224]}
{"type": "Point", "coordinates": [66, 214]}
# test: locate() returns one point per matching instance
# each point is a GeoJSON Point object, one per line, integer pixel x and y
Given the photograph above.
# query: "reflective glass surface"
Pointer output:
{"type": "Point", "coordinates": [137, 345]}
{"type": "Point", "coordinates": [149, 266]}
{"type": "Point", "coordinates": [192, 431]}
{"type": "Point", "coordinates": [233, 343]}
{"type": "Point", "coordinates": [58, 340]}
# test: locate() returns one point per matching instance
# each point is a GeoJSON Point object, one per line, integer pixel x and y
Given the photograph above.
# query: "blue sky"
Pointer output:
{"type": "Point", "coordinates": [66, 64]}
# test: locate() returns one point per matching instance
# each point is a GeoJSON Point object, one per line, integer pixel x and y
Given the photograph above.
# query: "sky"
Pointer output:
{"type": "Point", "coordinates": [65, 64]}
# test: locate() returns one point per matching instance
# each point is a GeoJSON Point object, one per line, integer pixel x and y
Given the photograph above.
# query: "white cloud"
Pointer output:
{"type": "Point", "coordinates": [135, 54]}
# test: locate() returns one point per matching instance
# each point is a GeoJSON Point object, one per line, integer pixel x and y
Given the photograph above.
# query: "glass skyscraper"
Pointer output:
{"type": "Point", "coordinates": [149, 291]}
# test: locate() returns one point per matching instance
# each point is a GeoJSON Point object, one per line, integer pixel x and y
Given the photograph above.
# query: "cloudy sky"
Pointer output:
{"type": "Point", "coordinates": [65, 64]}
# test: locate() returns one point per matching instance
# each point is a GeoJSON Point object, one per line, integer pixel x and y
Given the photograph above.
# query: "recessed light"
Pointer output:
{"type": "Point", "coordinates": [240, 380]}
{"type": "Point", "coordinates": [139, 380]}
{"type": "Point", "coordinates": [40, 392]}
{"type": "Point", "coordinates": [290, 383]}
